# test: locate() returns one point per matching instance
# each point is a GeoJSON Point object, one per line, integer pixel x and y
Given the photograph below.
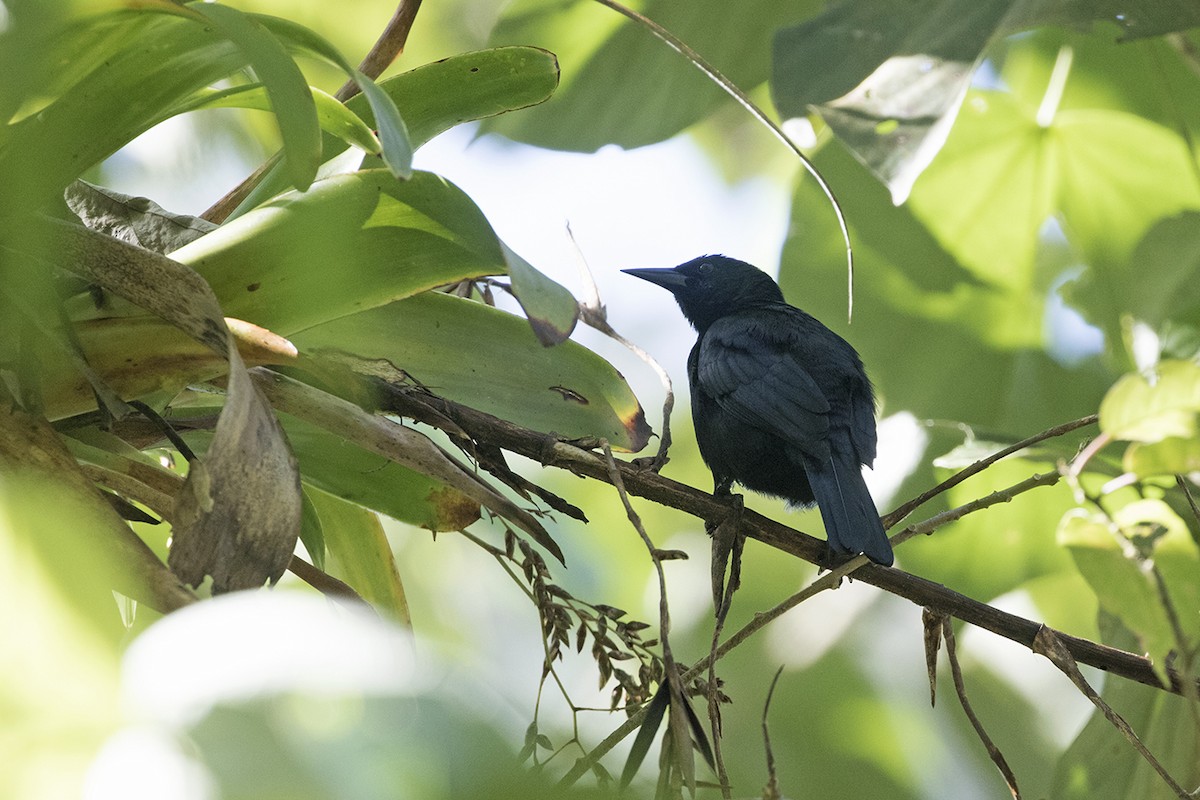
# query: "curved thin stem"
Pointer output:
{"type": "Point", "coordinates": [732, 89]}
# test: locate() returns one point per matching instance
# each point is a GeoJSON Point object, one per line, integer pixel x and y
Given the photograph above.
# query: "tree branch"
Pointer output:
{"type": "Point", "coordinates": [552, 452]}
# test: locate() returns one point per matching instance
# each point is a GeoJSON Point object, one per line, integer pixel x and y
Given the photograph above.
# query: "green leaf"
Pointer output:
{"type": "Point", "coordinates": [623, 86]}
{"type": "Point", "coordinates": [1001, 175]}
{"type": "Point", "coordinates": [1127, 591]}
{"type": "Point", "coordinates": [1170, 456]}
{"type": "Point", "coordinates": [311, 533]}
{"type": "Point", "coordinates": [899, 74]}
{"type": "Point", "coordinates": [907, 280]}
{"type": "Point", "coordinates": [332, 115]}
{"type": "Point", "coordinates": [350, 243]}
{"type": "Point", "coordinates": [342, 469]}
{"type": "Point", "coordinates": [163, 60]}
{"type": "Point", "coordinates": [491, 360]}
{"type": "Point", "coordinates": [888, 76]}
{"type": "Point", "coordinates": [1155, 284]}
{"type": "Point", "coordinates": [360, 554]}
{"type": "Point", "coordinates": [1165, 404]}
{"type": "Point", "coordinates": [397, 147]}
{"type": "Point", "coordinates": [438, 96]}
{"type": "Point", "coordinates": [393, 134]}
{"type": "Point", "coordinates": [290, 96]}
{"type": "Point", "coordinates": [552, 311]}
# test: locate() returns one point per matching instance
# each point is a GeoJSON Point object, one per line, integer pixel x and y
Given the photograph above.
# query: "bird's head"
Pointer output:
{"type": "Point", "coordinates": [709, 287]}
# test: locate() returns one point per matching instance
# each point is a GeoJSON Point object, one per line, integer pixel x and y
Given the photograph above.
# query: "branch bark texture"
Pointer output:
{"type": "Point", "coordinates": [550, 451]}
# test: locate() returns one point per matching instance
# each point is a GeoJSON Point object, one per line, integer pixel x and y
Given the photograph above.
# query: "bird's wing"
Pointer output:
{"type": "Point", "coordinates": [760, 381]}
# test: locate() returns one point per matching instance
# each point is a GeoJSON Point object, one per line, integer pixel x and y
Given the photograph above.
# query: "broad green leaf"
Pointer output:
{"type": "Point", "coordinates": [1156, 284]}
{"type": "Point", "coordinates": [492, 361]}
{"type": "Point", "coordinates": [291, 99]}
{"type": "Point", "coordinates": [350, 243]}
{"type": "Point", "coordinates": [1129, 592]}
{"type": "Point", "coordinates": [342, 469]}
{"type": "Point", "coordinates": [468, 87]}
{"type": "Point", "coordinates": [334, 117]}
{"type": "Point", "coordinates": [438, 96]}
{"type": "Point", "coordinates": [930, 332]}
{"type": "Point", "coordinates": [1150, 408]}
{"type": "Point", "coordinates": [1171, 456]}
{"type": "Point", "coordinates": [552, 311]}
{"type": "Point", "coordinates": [623, 86]}
{"type": "Point", "coordinates": [899, 73]}
{"type": "Point", "coordinates": [163, 59]}
{"type": "Point", "coordinates": [360, 555]}
{"type": "Point", "coordinates": [888, 76]}
{"type": "Point", "coordinates": [1104, 73]}
{"type": "Point", "coordinates": [1001, 175]}
{"type": "Point", "coordinates": [393, 134]}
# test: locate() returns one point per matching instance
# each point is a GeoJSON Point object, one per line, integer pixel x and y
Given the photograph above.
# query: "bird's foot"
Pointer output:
{"type": "Point", "coordinates": [727, 543]}
{"type": "Point", "coordinates": [832, 559]}
{"type": "Point", "coordinates": [652, 463]}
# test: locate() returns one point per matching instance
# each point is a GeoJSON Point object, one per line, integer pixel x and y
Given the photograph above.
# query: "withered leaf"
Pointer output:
{"type": "Point", "coordinates": [238, 515]}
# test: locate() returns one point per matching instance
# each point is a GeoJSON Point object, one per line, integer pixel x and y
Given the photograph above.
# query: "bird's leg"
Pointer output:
{"type": "Point", "coordinates": [832, 559]}
{"type": "Point", "coordinates": [727, 543]}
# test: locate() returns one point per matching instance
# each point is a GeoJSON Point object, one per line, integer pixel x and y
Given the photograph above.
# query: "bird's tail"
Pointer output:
{"type": "Point", "coordinates": [851, 519]}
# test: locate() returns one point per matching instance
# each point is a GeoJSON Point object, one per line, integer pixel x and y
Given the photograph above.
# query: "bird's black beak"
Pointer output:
{"type": "Point", "coordinates": [666, 277]}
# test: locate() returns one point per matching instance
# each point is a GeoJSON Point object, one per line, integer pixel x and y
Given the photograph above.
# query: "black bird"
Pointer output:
{"type": "Point", "coordinates": [781, 404]}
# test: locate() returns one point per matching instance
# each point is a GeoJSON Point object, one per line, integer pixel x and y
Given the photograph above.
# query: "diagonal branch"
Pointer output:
{"type": "Point", "coordinates": [1049, 644]}
{"type": "Point", "coordinates": [664, 491]}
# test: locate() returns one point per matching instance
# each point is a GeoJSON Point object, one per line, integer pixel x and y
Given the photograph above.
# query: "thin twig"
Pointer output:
{"type": "Point", "coordinates": [732, 89]}
{"type": "Point", "coordinates": [670, 668]}
{"type": "Point", "coordinates": [1185, 649]}
{"type": "Point", "coordinates": [664, 615]}
{"type": "Point", "coordinates": [961, 690]}
{"type": "Point", "coordinates": [999, 496]}
{"type": "Point", "coordinates": [771, 792]}
{"type": "Point", "coordinates": [1187, 492]}
{"type": "Point", "coordinates": [1049, 644]}
{"type": "Point", "coordinates": [890, 519]}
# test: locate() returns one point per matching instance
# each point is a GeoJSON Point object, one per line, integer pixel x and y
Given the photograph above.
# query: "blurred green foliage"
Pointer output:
{"type": "Point", "coordinates": [1044, 267]}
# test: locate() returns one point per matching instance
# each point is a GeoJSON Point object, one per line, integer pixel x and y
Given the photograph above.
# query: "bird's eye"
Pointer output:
{"type": "Point", "coordinates": [706, 268]}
